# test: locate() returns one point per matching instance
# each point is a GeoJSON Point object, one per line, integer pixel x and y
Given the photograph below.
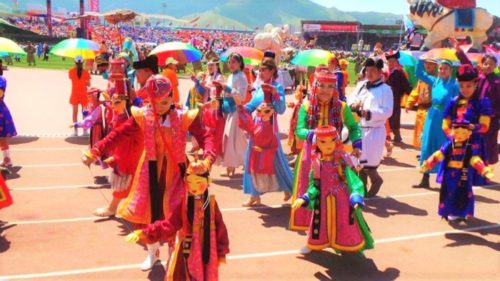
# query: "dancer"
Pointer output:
{"type": "Point", "coordinates": [372, 100]}
{"type": "Point", "coordinates": [80, 80]}
{"type": "Point", "coordinates": [335, 195]}
{"type": "Point", "coordinates": [459, 157]}
{"type": "Point", "coordinates": [444, 89]}
{"type": "Point", "coordinates": [202, 240]}
{"type": "Point", "coordinates": [266, 169]}
{"type": "Point", "coordinates": [7, 127]}
{"type": "Point", "coordinates": [323, 108]}
{"type": "Point", "coordinates": [421, 96]}
{"type": "Point", "coordinates": [159, 174]}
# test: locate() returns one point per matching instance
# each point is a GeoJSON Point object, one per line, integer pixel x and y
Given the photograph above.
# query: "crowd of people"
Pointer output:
{"type": "Point", "coordinates": [141, 129]}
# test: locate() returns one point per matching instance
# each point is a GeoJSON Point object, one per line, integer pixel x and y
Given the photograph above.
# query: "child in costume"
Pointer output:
{"type": "Point", "coordinates": [202, 240]}
{"type": "Point", "coordinates": [469, 105]}
{"type": "Point", "coordinates": [158, 178]}
{"type": "Point", "coordinates": [323, 108]}
{"type": "Point", "coordinates": [7, 127]}
{"type": "Point", "coordinates": [262, 156]}
{"type": "Point", "coordinates": [335, 195]}
{"type": "Point", "coordinates": [459, 157]}
{"type": "Point", "coordinates": [294, 142]}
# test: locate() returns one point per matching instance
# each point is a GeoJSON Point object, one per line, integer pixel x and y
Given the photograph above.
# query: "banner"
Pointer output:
{"type": "Point", "coordinates": [94, 6]}
{"type": "Point", "coordinates": [321, 27]}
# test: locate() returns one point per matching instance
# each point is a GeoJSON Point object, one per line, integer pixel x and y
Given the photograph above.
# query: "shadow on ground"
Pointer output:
{"type": "Point", "coordinates": [349, 266]}
{"type": "Point", "coordinates": [386, 207]}
{"type": "Point", "coordinates": [4, 243]}
{"type": "Point", "coordinates": [77, 140]}
{"type": "Point", "coordinates": [22, 140]}
{"type": "Point", "coordinates": [273, 217]}
{"type": "Point", "coordinates": [389, 161]}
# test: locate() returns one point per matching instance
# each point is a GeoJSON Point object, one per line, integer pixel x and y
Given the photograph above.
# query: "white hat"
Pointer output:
{"type": "Point", "coordinates": [170, 60]}
{"type": "Point", "coordinates": [78, 59]}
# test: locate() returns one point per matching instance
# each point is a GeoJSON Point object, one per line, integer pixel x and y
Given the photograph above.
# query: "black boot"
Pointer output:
{"type": "Point", "coordinates": [424, 183]}
{"type": "Point", "coordinates": [397, 136]}
{"type": "Point", "coordinates": [375, 182]}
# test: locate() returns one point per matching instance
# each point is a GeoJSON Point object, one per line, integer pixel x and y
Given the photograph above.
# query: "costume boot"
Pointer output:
{"type": "Point", "coordinates": [424, 183]}
{"type": "Point", "coordinates": [7, 162]}
{"type": "Point", "coordinates": [375, 182]}
{"type": "Point", "coordinates": [153, 256]}
{"type": "Point", "coordinates": [397, 136]}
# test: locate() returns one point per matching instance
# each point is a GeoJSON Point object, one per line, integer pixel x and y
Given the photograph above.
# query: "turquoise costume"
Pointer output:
{"type": "Point", "coordinates": [443, 91]}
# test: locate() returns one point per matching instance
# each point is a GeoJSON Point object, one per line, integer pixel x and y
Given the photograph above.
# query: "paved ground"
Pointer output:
{"type": "Point", "coordinates": [50, 234]}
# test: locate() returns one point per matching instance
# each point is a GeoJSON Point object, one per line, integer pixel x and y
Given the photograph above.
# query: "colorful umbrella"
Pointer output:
{"type": "Point", "coordinates": [9, 46]}
{"type": "Point", "coordinates": [251, 56]}
{"type": "Point", "coordinates": [76, 47]}
{"type": "Point", "coordinates": [181, 52]}
{"type": "Point", "coordinates": [406, 59]}
{"type": "Point", "coordinates": [313, 57]}
{"type": "Point", "coordinates": [439, 54]}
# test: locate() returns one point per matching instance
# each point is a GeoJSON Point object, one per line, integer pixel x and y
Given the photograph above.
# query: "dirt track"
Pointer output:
{"type": "Point", "coordinates": [50, 234]}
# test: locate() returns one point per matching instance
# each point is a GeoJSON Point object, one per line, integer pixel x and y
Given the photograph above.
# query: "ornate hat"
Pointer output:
{"type": "Point", "coordinates": [269, 54]}
{"type": "Point", "coordinates": [375, 62]}
{"type": "Point", "coordinates": [466, 72]}
{"type": "Point", "coordinates": [156, 87]}
{"type": "Point", "coordinates": [325, 76]}
{"type": "Point", "coordinates": [150, 62]}
{"type": "Point", "coordinates": [171, 60]}
{"type": "Point", "coordinates": [325, 131]}
{"type": "Point", "coordinates": [392, 54]}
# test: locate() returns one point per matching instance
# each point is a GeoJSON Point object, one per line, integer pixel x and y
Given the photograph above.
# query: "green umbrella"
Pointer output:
{"type": "Point", "coordinates": [313, 57]}
{"type": "Point", "coordinates": [11, 47]}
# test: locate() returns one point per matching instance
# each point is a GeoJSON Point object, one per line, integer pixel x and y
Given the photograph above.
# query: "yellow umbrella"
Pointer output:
{"type": "Point", "coordinates": [9, 46]}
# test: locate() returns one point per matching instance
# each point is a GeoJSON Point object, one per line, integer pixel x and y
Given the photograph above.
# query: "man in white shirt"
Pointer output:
{"type": "Point", "coordinates": [372, 100]}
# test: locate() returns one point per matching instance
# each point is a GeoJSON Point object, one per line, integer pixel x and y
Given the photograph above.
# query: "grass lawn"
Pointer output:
{"type": "Point", "coordinates": [54, 62]}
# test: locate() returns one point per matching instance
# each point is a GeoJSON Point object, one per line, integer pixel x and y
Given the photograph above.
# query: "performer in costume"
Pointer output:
{"type": "Point", "coordinates": [343, 67]}
{"type": "Point", "coordinates": [444, 88]}
{"type": "Point", "coordinates": [202, 239]}
{"type": "Point", "coordinates": [372, 100]}
{"type": "Point", "coordinates": [459, 158]}
{"type": "Point", "coordinates": [335, 195]}
{"type": "Point", "coordinates": [334, 67]}
{"type": "Point", "coordinates": [469, 106]}
{"type": "Point", "coordinates": [488, 85]}
{"type": "Point", "coordinates": [400, 86]}
{"type": "Point", "coordinates": [234, 140]}
{"type": "Point", "coordinates": [421, 96]}
{"type": "Point", "coordinates": [214, 118]}
{"type": "Point", "coordinates": [266, 167]}
{"type": "Point", "coordinates": [80, 79]}
{"type": "Point", "coordinates": [7, 127]}
{"type": "Point", "coordinates": [323, 108]}
{"type": "Point", "coordinates": [294, 142]}
{"type": "Point", "coordinates": [5, 197]}
{"type": "Point", "coordinates": [160, 170]}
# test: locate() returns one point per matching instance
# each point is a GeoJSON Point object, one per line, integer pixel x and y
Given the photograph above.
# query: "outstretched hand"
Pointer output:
{"type": "Point", "coordinates": [134, 236]}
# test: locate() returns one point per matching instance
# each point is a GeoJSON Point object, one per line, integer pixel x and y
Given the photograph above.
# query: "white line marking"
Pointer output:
{"type": "Point", "coordinates": [57, 165]}
{"type": "Point", "coordinates": [49, 148]}
{"type": "Point", "coordinates": [241, 256]}
{"type": "Point", "coordinates": [76, 186]}
{"type": "Point", "coordinates": [235, 209]}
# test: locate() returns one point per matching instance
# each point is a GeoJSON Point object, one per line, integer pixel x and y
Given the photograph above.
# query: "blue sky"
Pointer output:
{"type": "Point", "coordinates": [393, 6]}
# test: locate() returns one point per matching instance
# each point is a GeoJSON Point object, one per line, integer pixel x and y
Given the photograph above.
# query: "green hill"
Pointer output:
{"type": "Point", "coordinates": [245, 14]}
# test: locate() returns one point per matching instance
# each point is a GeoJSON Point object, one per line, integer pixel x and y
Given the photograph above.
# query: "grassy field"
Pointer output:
{"type": "Point", "coordinates": [56, 62]}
